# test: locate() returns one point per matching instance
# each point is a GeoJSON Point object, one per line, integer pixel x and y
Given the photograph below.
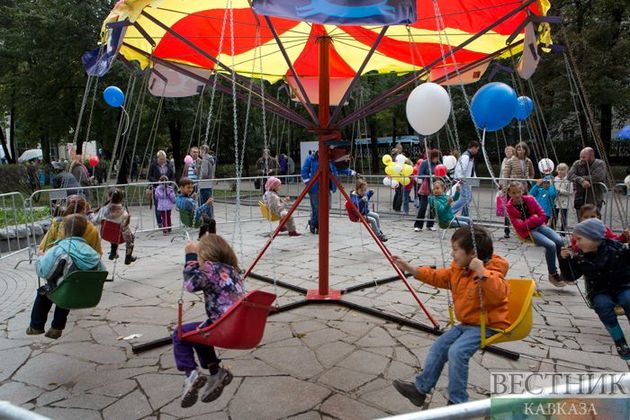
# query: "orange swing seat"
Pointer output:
{"type": "Point", "coordinates": [241, 327]}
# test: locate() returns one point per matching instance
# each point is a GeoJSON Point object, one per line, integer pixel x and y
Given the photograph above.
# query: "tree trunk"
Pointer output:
{"type": "Point", "coordinates": [175, 130]}
{"type": "Point", "coordinates": [373, 145]}
{"type": "Point", "coordinates": [5, 148]}
{"type": "Point", "coordinates": [393, 130]}
{"type": "Point", "coordinates": [605, 119]}
{"type": "Point", "coordinates": [12, 148]}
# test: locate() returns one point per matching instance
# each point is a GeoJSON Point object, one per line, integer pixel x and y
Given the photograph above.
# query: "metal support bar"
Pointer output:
{"type": "Point", "coordinates": [280, 283]}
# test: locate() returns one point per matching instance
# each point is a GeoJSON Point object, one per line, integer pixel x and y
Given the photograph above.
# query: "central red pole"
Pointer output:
{"type": "Point", "coordinates": [323, 291]}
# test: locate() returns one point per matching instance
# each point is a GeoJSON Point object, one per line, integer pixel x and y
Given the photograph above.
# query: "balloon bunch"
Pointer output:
{"type": "Point", "coordinates": [398, 171]}
{"type": "Point", "coordinates": [495, 104]}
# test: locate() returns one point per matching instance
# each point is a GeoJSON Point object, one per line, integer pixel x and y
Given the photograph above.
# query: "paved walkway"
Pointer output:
{"type": "Point", "coordinates": [316, 362]}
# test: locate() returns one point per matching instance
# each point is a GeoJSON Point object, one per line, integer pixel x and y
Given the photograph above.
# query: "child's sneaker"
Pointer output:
{"type": "Point", "coordinates": [53, 333]}
{"type": "Point", "coordinates": [295, 233]}
{"type": "Point", "coordinates": [215, 386]}
{"type": "Point", "coordinates": [192, 384]}
{"type": "Point", "coordinates": [33, 331]}
{"type": "Point", "coordinates": [409, 391]}
{"type": "Point", "coordinates": [623, 349]}
{"type": "Point", "coordinates": [383, 238]}
{"type": "Point", "coordinates": [417, 229]}
{"type": "Point", "coordinates": [619, 311]}
{"type": "Point", "coordinates": [432, 228]}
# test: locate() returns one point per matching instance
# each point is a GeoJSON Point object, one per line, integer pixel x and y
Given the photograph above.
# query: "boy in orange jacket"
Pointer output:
{"type": "Point", "coordinates": [467, 273]}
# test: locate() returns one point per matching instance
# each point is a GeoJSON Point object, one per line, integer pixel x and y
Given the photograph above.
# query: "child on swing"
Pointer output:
{"type": "Point", "coordinates": [115, 212]}
{"type": "Point", "coordinates": [605, 265]}
{"type": "Point", "coordinates": [361, 199]}
{"type": "Point", "coordinates": [590, 211]}
{"type": "Point", "coordinates": [186, 200]}
{"type": "Point", "coordinates": [76, 254]}
{"type": "Point", "coordinates": [211, 267]}
{"type": "Point", "coordinates": [441, 203]}
{"type": "Point", "coordinates": [529, 221]}
{"type": "Point", "coordinates": [474, 266]}
{"type": "Point", "coordinates": [278, 205]}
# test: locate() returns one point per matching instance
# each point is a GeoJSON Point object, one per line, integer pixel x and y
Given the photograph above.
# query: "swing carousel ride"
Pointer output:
{"type": "Point", "coordinates": [320, 49]}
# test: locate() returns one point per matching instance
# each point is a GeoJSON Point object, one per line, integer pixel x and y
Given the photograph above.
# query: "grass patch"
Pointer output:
{"type": "Point", "coordinates": [11, 217]}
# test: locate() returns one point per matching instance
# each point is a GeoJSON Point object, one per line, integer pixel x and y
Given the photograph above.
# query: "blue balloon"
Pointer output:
{"type": "Point", "coordinates": [524, 108]}
{"type": "Point", "coordinates": [114, 96]}
{"type": "Point", "coordinates": [493, 106]}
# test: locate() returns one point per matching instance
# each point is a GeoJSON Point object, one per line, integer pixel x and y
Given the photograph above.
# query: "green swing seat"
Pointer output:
{"type": "Point", "coordinates": [187, 218]}
{"type": "Point", "coordinates": [79, 290]}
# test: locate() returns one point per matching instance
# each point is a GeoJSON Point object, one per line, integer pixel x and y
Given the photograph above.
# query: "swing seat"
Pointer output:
{"type": "Point", "coordinates": [112, 232]}
{"type": "Point", "coordinates": [79, 290]}
{"type": "Point", "coordinates": [520, 313]}
{"type": "Point", "coordinates": [241, 327]}
{"type": "Point", "coordinates": [267, 214]}
{"type": "Point", "coordinates": [352, 211]}
{"type": "Point", "coordinates": [187, 218]}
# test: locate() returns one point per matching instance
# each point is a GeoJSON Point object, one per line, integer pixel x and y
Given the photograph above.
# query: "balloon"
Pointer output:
{"type": "Point", "coordinates": [114, 96]}
{"type": "Point", "coordinates": [405, 181]}
{"type": "Point", "coordinates": [450, 162]}
{"type": "Point", "coordinates": [390, 170]}
{"type": "Point", "coordinates": [387, 181]}
{"type": "Point", "coordinates": [493, 106]}
{"type": "Point", "coordinates": [406, 170]}
{"type": "Point", "coordinates": [440, 170]}
{"type": "Point", "coordinates": [188, 160]}
{"type": "Point", "coordinates": [546, 166]}
{"type": "Point", "coordinates": [428, 108]}
{"type": "Point", "coordinates": [398, 167]}
{"type": "Point", "coordinates": [394, 184]}
{"type": "Point", "coordinates": [401, 159]}
{"type": "Point", "coordinates": [524, 108]}
{"type": "Point", "coordinates": [387, 159]}
{"type": "Point", "coordinates": [93, 161]}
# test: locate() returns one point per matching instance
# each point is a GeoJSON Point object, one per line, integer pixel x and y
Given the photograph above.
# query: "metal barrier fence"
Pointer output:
{"type": "Point", "coordinates": [141, 204]}
{"type": "Point", "coordinates": [15, 227]}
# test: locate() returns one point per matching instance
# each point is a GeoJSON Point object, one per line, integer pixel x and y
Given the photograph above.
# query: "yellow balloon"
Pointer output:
{"type": "Point", "coordinates": [405, 181]}
{"type": "Point", "coordinates": [387, 159]}
{"type": "Point", "coordinates": [397, 179]}
{"type": "Point", "coordinates": [390, 170]}
{"type": "Point", "coordinates": [406, 170]}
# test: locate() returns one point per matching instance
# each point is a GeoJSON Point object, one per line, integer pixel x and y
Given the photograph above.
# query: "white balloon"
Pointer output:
{"type": "Point", "coordinates": [401, 159]}
{"type": "Point", "coordinates": [546, 166]}
{"type": "Point", "coordinates": [387, 181]}
{"type": "Point", "coordinates": [428, 108]}
{"type": "Point", "coordinates": [394, 184]}
{"type": "Point", "coordinates": [398, 167]}
{"type": "Point", "coordinates": [450, 162]}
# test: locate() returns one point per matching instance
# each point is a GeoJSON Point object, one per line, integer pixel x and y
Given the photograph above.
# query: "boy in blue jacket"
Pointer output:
{"type": "Point", "coordinates": [545, 194]}
{"type": "Point", "coordinates": [187, 200]}
{"type": "Point", "coordinates": [66, 255]}
{"type": "Point", "coordinates": [361, 200]}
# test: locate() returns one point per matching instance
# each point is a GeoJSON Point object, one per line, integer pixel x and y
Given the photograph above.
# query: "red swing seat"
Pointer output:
{"type": "Point", "coordinates": [112, 232]}
{"type": "Point", "coordinates": [353, 211]}
{"type": "Point", "coordinates": [241, 327]}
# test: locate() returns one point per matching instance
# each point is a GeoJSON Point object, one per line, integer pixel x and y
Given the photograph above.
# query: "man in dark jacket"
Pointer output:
{"type": "Point", "coordinates": [588, 174]}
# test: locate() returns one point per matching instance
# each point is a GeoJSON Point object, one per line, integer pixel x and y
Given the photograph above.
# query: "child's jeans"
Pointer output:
{"type": "Point", "coordinates": [184, 352]}
{"type": "Point", "coordinates": [604, 305]}
{"type": "Point", "coordinates": [460, 221]}
{"type": "Point", "coordinates": [456, 346]}
{"type": "Point", "coordinates": [39, 314]}
{"type": "Point", "coordinates": [465, 197]}
{"type": "Point", "coordinates": [552, 242]}
{"type": "Point", "coordinates": [375, 222]}
{"type": "Point", "coordinates": [166, 220]}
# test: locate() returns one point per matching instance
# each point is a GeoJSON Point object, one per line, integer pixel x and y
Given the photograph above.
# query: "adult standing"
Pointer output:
{"type": "Point", "coordinates": [64, 179]}
{"type": "Point", "coordinates": [588, 174]}
{"type": "Point", "coordinates": [427, 168]}
{"type": "Point", "coordinates": [159, 167]}
{"type": "Point", "coordinates": [81, 174]}
{"type": "Point", "coordinates": [398, 192]}
{"type": "Point", "coordinates": [191, 170]}
{"type": "Point", "coordinates": [309, 169]}
{"type": "Point", "coordinates": [465, 169]}
{"type": "Point", "coordinates": [519, 167]}
{"type": "Point", "coordinates": [266, 166]}
{"type": "Point", "coordinates": [207, 170]}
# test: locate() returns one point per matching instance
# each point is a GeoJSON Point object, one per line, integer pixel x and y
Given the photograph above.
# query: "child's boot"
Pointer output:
{"type": "Point", "coordinates": [129, 258]}
{"type": "Point", "coordinates": [33, 331]}
{"type": "Point", "coordinates": [216, 383]}
{"type": "Point", "coordinates": [113, 253]}
{"type": "Point", "coordinates": [295, 233]}
{"type": "Point", "coordinates": [620, 342]}
{"type": "Point", "coordinates": [409, 391]}
{"type": "Point", "coordinates": [53, 333]}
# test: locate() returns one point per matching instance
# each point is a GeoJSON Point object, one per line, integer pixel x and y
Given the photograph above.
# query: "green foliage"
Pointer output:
{"type": "Point", "coordinates": [11, 217]}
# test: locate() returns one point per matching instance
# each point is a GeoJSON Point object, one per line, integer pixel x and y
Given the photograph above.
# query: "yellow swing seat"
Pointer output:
{"type": "Point", "coordinates": [267, 214]}
{"type": "Point", "coordinates": [520, 315]}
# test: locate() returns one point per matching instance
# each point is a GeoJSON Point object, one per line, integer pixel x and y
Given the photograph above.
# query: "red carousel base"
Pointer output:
{"type": "Point", "coordinates": [313, 294]}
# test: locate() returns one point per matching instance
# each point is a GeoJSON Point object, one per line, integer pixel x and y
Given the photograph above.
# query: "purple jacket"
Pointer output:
{"type": "Point", "coordinates": [165, 197]}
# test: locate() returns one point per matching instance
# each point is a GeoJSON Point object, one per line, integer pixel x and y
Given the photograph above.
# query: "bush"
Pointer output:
{"type": "Point", "coordinates": [13, 178]}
